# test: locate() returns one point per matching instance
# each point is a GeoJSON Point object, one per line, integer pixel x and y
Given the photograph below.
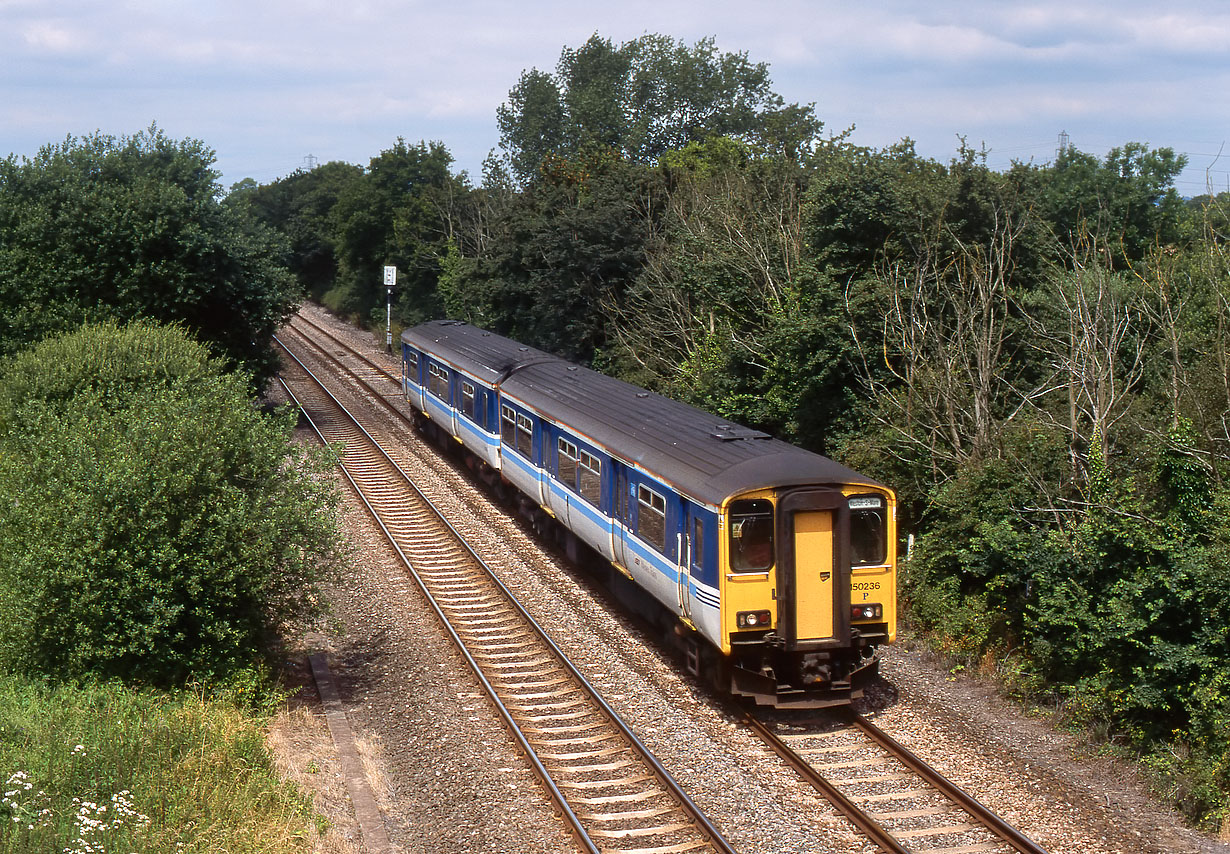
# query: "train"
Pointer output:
{"type": "Point", "coordinates": [774, 567]}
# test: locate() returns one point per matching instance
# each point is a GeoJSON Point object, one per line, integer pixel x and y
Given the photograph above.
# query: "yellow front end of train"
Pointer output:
{"type": "Point", "coordinates": [808, 590]}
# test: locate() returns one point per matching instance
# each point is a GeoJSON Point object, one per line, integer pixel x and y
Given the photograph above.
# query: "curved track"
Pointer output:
{"type": "Point", "coordinates": [615, 796]}
{"type": "Point", "coordinates": [895, 798]}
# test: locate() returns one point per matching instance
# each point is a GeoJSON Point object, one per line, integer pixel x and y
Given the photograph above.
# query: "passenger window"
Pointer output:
{"type": "Point", "coordinates": [651, 518]}
{"type": "Point", "coordinates": [568, 460]}
{"type": "Point", "coordinates": [437, 381]}
{"type": "Point", "coordinates": [590, 485]}
{"type": "Point", "coordinates": [868, 531]}
{"type": "Point", "coordinates": [751, 535]}
{"type": "Point", "coordinates": [467, 400]}
{"type": "Point", "coordinates": [508, 427]}
{"type": "Point", "coordinates": [525, 436]}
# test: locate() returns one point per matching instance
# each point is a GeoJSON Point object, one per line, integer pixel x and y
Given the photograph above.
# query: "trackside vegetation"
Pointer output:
{"type": "Point", "coordinates": [105, 768]}
{"type": "Point", "coordinates": [158, 526]}
{"type": "Point", "coordinates": [158, 529]}
{"type": "Point", "coordinates": [105, 227]}
{"type": "Point", "coordinates": [1036, 358]}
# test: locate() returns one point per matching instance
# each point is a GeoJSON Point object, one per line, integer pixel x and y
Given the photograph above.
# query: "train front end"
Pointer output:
{"type": "Point", "coordinates": [808, 591]}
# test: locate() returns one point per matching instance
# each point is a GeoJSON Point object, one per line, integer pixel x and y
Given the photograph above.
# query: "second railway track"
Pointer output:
{"type": "Point", "coordinates": [614, 793]}
{"type": "Point", "coordinates": [889, 793]}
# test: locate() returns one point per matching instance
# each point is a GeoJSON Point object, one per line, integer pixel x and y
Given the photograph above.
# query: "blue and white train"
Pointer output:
{"type": "Point", "coordinates": [776, 566]}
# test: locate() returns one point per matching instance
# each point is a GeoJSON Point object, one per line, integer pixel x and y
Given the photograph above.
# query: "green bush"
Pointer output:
{"type": "Point", "coordinates": [157, 525]}
{"type": "Point", "coordinates": [104, 227]}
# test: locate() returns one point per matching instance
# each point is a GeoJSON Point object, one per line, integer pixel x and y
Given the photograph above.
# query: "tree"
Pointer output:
{"type": "Point", "coordinates": [558, 255]}
{"type": "Point", "coordinates": [1126, 201]}
{"type": "Point", "coordinates": [133, 227]}
{"type": "Point", "coordinates": [393, 216]}
{"type": "Point", "coordinates": [644, 98]}
{"type": "Point", "coordinates": [728, 313]}
{"type": "Point", "coordinates": [300, 206]}
{"type": "Point", "coordinates": [157, 527]}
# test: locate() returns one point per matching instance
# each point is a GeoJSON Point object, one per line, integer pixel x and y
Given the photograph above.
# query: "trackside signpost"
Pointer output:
{"type": "Point", "coordinates": [390, 282]}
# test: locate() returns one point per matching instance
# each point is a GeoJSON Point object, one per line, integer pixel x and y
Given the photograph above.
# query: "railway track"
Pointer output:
{"type": "Point", "coordinates": [902, 804]}
{"type": "Point", "coordinates": [614, 795]}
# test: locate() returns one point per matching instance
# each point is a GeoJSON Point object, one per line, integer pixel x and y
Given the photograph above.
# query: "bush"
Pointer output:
{"type": "Point", "coordinates": [130, 227]}
{"type": "Point", "coordinates": [157, 525]}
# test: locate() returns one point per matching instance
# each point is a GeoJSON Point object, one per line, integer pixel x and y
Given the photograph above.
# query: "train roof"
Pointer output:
{"type": "Point", "coordinates": [699, 453]}
{"type": "Point", "coordinates": [484, 355]}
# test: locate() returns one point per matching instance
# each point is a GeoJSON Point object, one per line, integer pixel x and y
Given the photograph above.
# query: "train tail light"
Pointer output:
{"type": "Point", "coordinates": [873, 611]}
{"type": "Point", "coordinates": [754, 619]}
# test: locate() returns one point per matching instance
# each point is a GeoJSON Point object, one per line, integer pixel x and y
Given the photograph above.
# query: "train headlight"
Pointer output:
{"type": "Point", "coordinates": [872, 611]}
{"type": "Point", "coordinates": [754, 619]}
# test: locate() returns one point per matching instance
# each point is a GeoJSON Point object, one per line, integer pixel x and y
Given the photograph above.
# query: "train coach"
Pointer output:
{"type": "Point", "coordinates": [774, 565]}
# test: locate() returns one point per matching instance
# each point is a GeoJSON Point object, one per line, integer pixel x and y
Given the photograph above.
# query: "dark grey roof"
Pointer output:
{"type": "Point", "coordinates": [484, 355]}
{"type": "Point", "coordinates": [698, 453]}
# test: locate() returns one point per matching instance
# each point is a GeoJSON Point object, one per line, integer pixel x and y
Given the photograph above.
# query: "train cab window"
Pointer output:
{"type": "Point", "coordinates": [525, 436]}
{"type": "Point", "coordinates": [437, 381]}
{"type": "Point", "coordinates": [698, 542]}
{"type": "Point", "coordinates": [590, 479]}
{"type": "Point", "coordinates": [868, 531]}
{"type": "Point", "coordinates": [467, 400]}
{"type": "Point", "coordinates": [569, 459]}
{"type": "Point", "coordinates": [412, 366]}
{"type": "Point", "coordinates": [751, 535]}
{"type": "Point", "coordinates": [651, 518]}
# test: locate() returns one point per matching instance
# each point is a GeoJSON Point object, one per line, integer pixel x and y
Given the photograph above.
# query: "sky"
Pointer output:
{"type": "Point", "coordinates": [272, 86]}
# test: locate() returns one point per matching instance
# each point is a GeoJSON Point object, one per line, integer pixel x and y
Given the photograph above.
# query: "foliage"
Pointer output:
{"type": "Point", "coordinates": [301, 207]}
{"type": "Point", "coordinates": [101, 227]}
{"type": "Point", "coordinates": [156, 525]}
{"type": "Point", "coordinates": [563, 251]}
{"type": "Point", "coordinates": [102, 767]}
{"type": "Point", "coordinates": [1126, 200]}
{"type": "Point", "coordinates": [643, 99]}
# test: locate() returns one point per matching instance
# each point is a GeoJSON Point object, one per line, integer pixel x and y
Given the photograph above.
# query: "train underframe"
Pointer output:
{"type": "Point", "coordinates": [809, 677]}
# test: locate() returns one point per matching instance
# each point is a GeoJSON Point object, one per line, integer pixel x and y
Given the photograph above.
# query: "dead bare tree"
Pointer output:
{"type": "Point", "coordinates": [947, 326]}
{"type": "Point", "coordinates": [1094, 340]}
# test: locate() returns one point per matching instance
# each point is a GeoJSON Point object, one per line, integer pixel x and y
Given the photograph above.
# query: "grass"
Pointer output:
{"type": "Point", "coordinates": [104, 768]}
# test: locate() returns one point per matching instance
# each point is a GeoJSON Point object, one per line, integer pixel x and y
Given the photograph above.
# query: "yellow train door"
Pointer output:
{"type": "Point", "coordinates": [813, 574]}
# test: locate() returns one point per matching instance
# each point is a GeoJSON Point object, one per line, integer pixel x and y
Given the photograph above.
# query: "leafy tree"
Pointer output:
{"type": "Point", "coordinates": [560, 256]}
{"type": "Point", "coordinates": [644, 98]}
{"type": "Point", "coordinates": [300, 206]}
{"type": "Point", "coordinates": [157, 526]}
{"type": "Point", "coordinates": [132, 227]}
{"type": "Point", "coordinates": [393, 215]}
{"type": "Point", "coordinates": [1126, 201]}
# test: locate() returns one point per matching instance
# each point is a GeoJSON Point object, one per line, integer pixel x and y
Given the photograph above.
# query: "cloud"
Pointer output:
{"type": "Point", "coordinates": [265, 82]}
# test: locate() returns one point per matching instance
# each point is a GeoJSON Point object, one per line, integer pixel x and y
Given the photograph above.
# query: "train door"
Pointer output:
{"type": "Point", "coordinates": [816, 584]}
{"type": "Point", "coordinates": [690, 558]}
{"type": "Point", "coordinates": [624, 512]}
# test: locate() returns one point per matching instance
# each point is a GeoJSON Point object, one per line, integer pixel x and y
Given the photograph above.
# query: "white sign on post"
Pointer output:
{"type": "Point", "coordinates": [390, 282]}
